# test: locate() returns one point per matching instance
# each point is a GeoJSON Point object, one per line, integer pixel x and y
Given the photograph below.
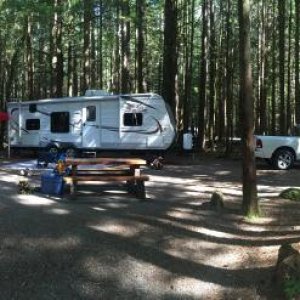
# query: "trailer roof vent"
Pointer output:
{"type": "Point", "coordinates": [92, 93]}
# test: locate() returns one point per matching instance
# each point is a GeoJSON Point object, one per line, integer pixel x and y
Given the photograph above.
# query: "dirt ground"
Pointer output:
{"type": "Point", "coordinates": [110, 245]}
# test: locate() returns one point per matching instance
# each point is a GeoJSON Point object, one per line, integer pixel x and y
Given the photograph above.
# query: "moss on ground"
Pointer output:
{"type": "Point", "coordinates": [291, 194]}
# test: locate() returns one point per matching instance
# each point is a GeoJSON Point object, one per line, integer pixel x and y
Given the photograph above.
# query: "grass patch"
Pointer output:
{"type": "Point", "coordinates": [253, 217]}
{"type": "Point", "coordinates": [291, 194]}
{"type": "Point", "coordinates": [292, 288]}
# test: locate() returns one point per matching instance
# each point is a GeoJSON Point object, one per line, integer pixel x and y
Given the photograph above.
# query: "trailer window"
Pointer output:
{"type": "Point", "coordinates": [133, 119]}
{"type": "Point", "coordinates": [32, 124]}
{"type": "Point", "coordinates": [91, 113]}
{"type": "Point", "coordinates": [60, 122]}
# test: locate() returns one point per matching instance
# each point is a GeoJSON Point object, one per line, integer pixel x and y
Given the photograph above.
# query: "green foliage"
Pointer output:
{"type": "Point", "coordinates": [292, 288]}
{"type": "Point", "coordinates": [291, 194]}
{"type": "Point", "coordinates": [24, 187]}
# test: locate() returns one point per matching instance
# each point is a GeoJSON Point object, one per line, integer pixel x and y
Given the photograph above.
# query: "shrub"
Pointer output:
{"type": "Point", "coordinates": [291, 194]}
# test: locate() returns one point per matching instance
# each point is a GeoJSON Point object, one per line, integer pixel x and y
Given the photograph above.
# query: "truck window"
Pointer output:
{"type": "Point", "coordinates": [33, 124]}
{"type": "Point", "coordinates": [60, 122]}
{"type": "Point", "coordinates": [133, 119]}
{"type": "Point", "coordinates": [91, 113]}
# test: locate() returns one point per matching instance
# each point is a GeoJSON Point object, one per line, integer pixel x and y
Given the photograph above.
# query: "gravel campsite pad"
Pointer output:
{"type": "Point", "coordinates": [111, 245]}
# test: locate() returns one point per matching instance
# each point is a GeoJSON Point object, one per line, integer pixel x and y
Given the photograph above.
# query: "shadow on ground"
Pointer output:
{"type": "Point", "coordinates": [112, 246]}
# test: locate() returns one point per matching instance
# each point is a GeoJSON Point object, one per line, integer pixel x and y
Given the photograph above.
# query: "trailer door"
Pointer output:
{"type": "Point", "coordinates": [91, 126]}
{"type": "Point", "coordinates": [110, 124]}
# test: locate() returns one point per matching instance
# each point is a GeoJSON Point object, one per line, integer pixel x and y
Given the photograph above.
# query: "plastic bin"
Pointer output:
{"type": "Point", "coordinates": [52, 183]}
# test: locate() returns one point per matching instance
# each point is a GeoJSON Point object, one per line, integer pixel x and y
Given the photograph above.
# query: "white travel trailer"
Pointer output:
{"type": "Point", "coordinates": [96, 121]}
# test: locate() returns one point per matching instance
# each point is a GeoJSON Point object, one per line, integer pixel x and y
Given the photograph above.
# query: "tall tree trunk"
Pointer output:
{"type": "Point", "coordinates": [202, 79]}
{"type": "Point", "coordinates": [220, 122]}
{"type": "Point", "coordinates": [30, 83]}
{"type": "Point", "coordinates": [297, 63]}
{"type": "Point", "coordinates": [170, 53]}
{"type": "Point", "coordinates": [75, 74]}
{"type": "Point", "coordinates": [86, 45]}
{"type": "Point", "coordinates": [100, 47]}
{"type": "Point", "coordinates": [93, 56]}
{"type": "Point", "coordinates": [289, 114]}
{"type": "Point", "coordinates": [187, 120]}
{"type": "Point", "coordinates": [116, 55]}
{"type": "Point", "coordinates": [281, 28]}
{"type": "Point", "coordinates": [125, 48]}
{"type": "Point", "coordinates": [212, 73]}
{"type": "Point", "coordinates": [70, 69]}
{"type": "Point", "coordinates": [229, 80]}
{"type": "Point", "coordinates": [57, 51]}
{"type": "Point", "coordinates": [140, 45]}
{"type": "Point", "coordinates": [274, 76]}
{"type": "Point", "coordinates": [60, 60]}
{"type": "Point", "coordinates": [250, 201]}
{"type": "Point", "coordinates": [263, 116]}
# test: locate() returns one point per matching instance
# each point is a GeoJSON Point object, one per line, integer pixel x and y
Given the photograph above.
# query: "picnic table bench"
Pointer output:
{"type": "Point", "coordinates": [95, 170]}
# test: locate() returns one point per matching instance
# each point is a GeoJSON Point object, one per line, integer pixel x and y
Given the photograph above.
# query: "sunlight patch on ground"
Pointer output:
{"type": "Point", "coordinates": [58, 211]}
{"type": "Point", "coordinates": [31, 200]}
{"type": "Point", "coordinates": [116, 205]}
{"type": "Point", "coordinates": [173, 180]}
{"type": "Point", "coordinates": [143, 277]}
{"type": "Point", "coordinates": [124, 230]}
{"type": "Point", "coordinates": [9, 178]}
{"type": "Point", "coordinates": [182, 215]}
{"type": "Point", "coordinates": [97, 269]}
{"type": "Point", "coordinates": [223, 172]}
{"type": "Point", "coordinates": [182, 285]}
{"type": "Point", "coordinates": [210, 189]}
{"type": "Point", "coordinates": [98, 208]}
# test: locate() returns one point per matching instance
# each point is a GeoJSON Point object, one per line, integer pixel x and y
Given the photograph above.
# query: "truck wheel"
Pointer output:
{"type": "Point", "coordinates": [283, 159]}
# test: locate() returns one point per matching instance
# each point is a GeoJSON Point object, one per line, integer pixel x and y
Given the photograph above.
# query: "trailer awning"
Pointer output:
{"type": "Point", "coordinates": [4, 116]}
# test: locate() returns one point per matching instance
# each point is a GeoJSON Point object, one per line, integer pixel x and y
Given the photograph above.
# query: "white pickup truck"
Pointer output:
{"type": "Point", "coordinates": [279, 151]}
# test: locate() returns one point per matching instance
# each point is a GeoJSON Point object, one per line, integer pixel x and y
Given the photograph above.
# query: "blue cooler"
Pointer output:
{"type": "Point", "coordinates": [52, 183]}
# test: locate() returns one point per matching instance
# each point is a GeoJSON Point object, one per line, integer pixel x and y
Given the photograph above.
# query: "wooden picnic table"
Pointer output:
{"type": "Point", "coordinates": [107, 169]}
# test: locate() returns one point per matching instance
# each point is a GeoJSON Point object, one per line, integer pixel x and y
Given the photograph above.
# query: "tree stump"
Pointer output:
{"type": "Point", "coordinates": [216, 201]}
{"type": "Point", "coordinates": [288, 265]}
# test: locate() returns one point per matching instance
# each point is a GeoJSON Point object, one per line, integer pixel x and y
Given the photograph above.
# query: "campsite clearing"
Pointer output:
{"type": "Point", "coordinates": [113, 246]}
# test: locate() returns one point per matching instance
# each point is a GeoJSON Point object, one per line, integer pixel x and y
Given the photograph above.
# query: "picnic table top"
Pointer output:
{"type": "Point", "coordinates": [105, 161]}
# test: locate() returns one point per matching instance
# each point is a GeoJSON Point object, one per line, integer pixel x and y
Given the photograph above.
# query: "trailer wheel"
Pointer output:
{"type": "Point", "coordinates": [283, 159]}
{"type": "Point", "coordinates": [53, 150]}
{"type": "Point", "coordinates": [71, 152]}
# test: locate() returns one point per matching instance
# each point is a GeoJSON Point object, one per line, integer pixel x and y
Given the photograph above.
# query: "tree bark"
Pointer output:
{"type": "Point", "coordinates": [30, 84]}
{"type": "Point", "coordinates": [297, 66]}
{"type": "Point", "coordinates": [87, 45]}
{"type": "Point", "coordinates": [281, 28]}
{"type": "Point", "coordinates": [250, 201]}
{"type": "Point", "coordinates": [212, 73]}
{"type": "Point", "coordinates": [229, 80]}
{"type": "Point", "coordinates": [170, 53]}
{"type": "Point", "coordinates": [125, 48]}
{"type": "Point", "coordinates": [202, 79]}
{"type": "Point", "coordinates": [140, 45]}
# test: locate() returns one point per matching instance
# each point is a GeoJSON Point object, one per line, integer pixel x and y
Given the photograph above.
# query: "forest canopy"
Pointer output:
{"type": "Point", "coordinates": [186, 50]}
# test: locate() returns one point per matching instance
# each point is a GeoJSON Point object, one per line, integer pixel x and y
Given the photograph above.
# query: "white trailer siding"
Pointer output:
{"type": "Point", "coordinates": [110, 124]}
{"type": "Point", "coordinates": [134, 122]}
